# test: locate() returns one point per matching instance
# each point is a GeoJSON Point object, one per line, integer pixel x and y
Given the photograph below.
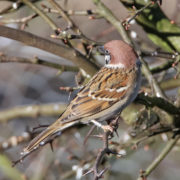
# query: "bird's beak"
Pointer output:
{"type": "Point", "coordinates": [101, 50]}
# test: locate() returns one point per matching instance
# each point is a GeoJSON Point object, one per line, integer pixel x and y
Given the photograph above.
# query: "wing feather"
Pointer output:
{"type": "Point", "coordinates": [96, 97]}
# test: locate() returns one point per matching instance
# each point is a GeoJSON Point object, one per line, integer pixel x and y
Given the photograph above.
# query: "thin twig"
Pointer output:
{"type": "Point", "coordinates": [10, 7]}
{"type": "Point", "coordinates": [162, 155]}
{"type": "Point", "coordinates": [107, 14]}
{"type": "Point", "coordinates": [105, 150]}
{"type": "Point", "coordinates": [88, 134]}
{"type": "Point", "coordinates": [70, 12]}
{"type": "Point", "coordinates": [137, 12]}
{"type": "Point", "coordinates": [160, 54]}
{"type": "Point", "coordinates": [57, 30]}
{"type": "Point", "coordinates": [49, 46]}
{"type": "Point", "coordinates": [41, 13]}
{"type": "Point", "coordinates": [170, 84]}
{"type": "Point", "coordinates": [23, 20]}
{"type": "Point", "coordinates": [36, 60]}
{"type": "Point", "coordinates": [32, 111]}
{"type": "Point", "coordinates": [100, 156]}
{"type": "Point", "coordinates": [63, 14]}
{"type": "Point", "coordinates": [159, 102]}
{"type": "Point", "coordinates": [152, 81]}
{"type": "Point", "coordinates": [71, 24]}
{"type": "Point", "coordinates": [172, 59]}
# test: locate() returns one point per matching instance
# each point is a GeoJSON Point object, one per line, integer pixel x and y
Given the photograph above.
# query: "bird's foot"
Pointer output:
{"type": "Point", "coordinates": [105, 128]}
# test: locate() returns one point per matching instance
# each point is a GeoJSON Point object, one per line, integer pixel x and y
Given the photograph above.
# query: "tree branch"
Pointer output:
{"type": "Point", "coordinates": [159, 102]}
{"type": "Point", "coordinates": [36, 60]}
{"type": "Point", "coordinates": [41, 13]}
{"type": "Point", "coordinates": [49, 46]}
{"type": "Point", "coordinates": [161, 156]}
{"type": "Point", "coordinates": [32, 111]}
{"type": "Point", "coordinates": [107, 14]}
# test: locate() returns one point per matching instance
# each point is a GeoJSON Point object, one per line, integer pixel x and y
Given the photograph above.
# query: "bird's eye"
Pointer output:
{"type": "Point", "coordinates": [107, 58]}
{"type": "Point", "coordinates": [106, 51]}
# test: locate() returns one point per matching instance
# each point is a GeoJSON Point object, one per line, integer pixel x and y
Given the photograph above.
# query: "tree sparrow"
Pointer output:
{"type": "Point", "coordinates": [108, 92]}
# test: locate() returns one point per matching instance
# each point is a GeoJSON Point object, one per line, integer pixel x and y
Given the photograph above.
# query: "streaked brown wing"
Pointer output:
{"type": "Point", "coordinates": [96, 97]}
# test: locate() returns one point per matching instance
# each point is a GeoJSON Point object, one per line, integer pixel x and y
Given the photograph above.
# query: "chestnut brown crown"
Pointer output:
{"type": "Point", "coordinates": [121, 54]}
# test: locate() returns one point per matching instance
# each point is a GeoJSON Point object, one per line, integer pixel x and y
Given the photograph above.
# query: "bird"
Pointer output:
{"type": "Point", "coordinates": [106, 94]}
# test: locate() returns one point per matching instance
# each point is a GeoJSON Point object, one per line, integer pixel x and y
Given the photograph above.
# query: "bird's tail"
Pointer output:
{"type": "Point", "coordinates": [46, 136]}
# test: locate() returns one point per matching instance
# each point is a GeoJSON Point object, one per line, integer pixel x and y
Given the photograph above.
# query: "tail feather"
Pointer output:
{"type": "Point", "coordinates": [45, 136]}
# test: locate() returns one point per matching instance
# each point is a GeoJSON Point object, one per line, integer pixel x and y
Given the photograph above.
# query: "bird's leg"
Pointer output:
{"type": "Point", "coordinates": [114, 123]}
{"type": "Point", "coordinates": [105, 128]}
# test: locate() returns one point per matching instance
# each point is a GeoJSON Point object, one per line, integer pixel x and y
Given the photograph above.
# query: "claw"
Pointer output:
{"type": "Point", "coordinates": [107, 128]}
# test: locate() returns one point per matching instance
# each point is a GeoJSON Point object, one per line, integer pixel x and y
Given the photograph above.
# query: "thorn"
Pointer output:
{"type": "Point", "coordinates": [116, 133]}
{"type": "Point", "coordinates": [51, 145]}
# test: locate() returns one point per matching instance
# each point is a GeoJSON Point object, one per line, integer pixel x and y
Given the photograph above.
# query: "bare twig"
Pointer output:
{"type": "Point", "coordinates": [165, 55]}
{"type": "Point", "coordinates": [159, 102]}
{"type": "Point", "coordinates": [100, 156]}
{"type": "Point", "coordinates": [57, 30]}
{"type": "Point", "coordinates": [41, 13]}
{"type": "Point", "coordinates": [36, 60]}
{"type": "Point", "coordinates": [152, 81]}
{"type": "Point", "coordinates": [23, 20]}
{"type": "Point", "coordinates": [88, 134]}
{"type": "Point", "coordinates": [170, 84]}
{"type": "Point", "coordinates": [32, 111]}
{"type": "Point", "coordinates": [162, 155]}
{"type": "Point", "coordinates": [107, 14]}
{"type": "Point", "coordinates": [10, 7]}
{"type": "Point", "coordinates": [137, 12]}
{"type": "Point", "coordinates": [63, 14]}
{"type": "Point", "coordinates": [71, 24]}
{"type": "Point", "coordinates": [70, 12]}
{"type": "Point", "coordinates": [105, 150]}
{"type": "Point", "coordinates": [173, 58]}
{"type": "Point", "coordinates": [49, 46]}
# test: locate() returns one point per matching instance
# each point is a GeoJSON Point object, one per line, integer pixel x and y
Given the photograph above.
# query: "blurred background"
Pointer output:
{"type": "Point", "coordinates": [28, 84]}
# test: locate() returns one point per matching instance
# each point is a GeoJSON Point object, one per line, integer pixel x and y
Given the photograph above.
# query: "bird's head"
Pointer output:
{"type": "Point", "coordinates": [119, 54]}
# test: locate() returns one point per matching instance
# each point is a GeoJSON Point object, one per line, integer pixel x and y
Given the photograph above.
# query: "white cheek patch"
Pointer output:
{"type": "Point", "coordinates": [107, 58]}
